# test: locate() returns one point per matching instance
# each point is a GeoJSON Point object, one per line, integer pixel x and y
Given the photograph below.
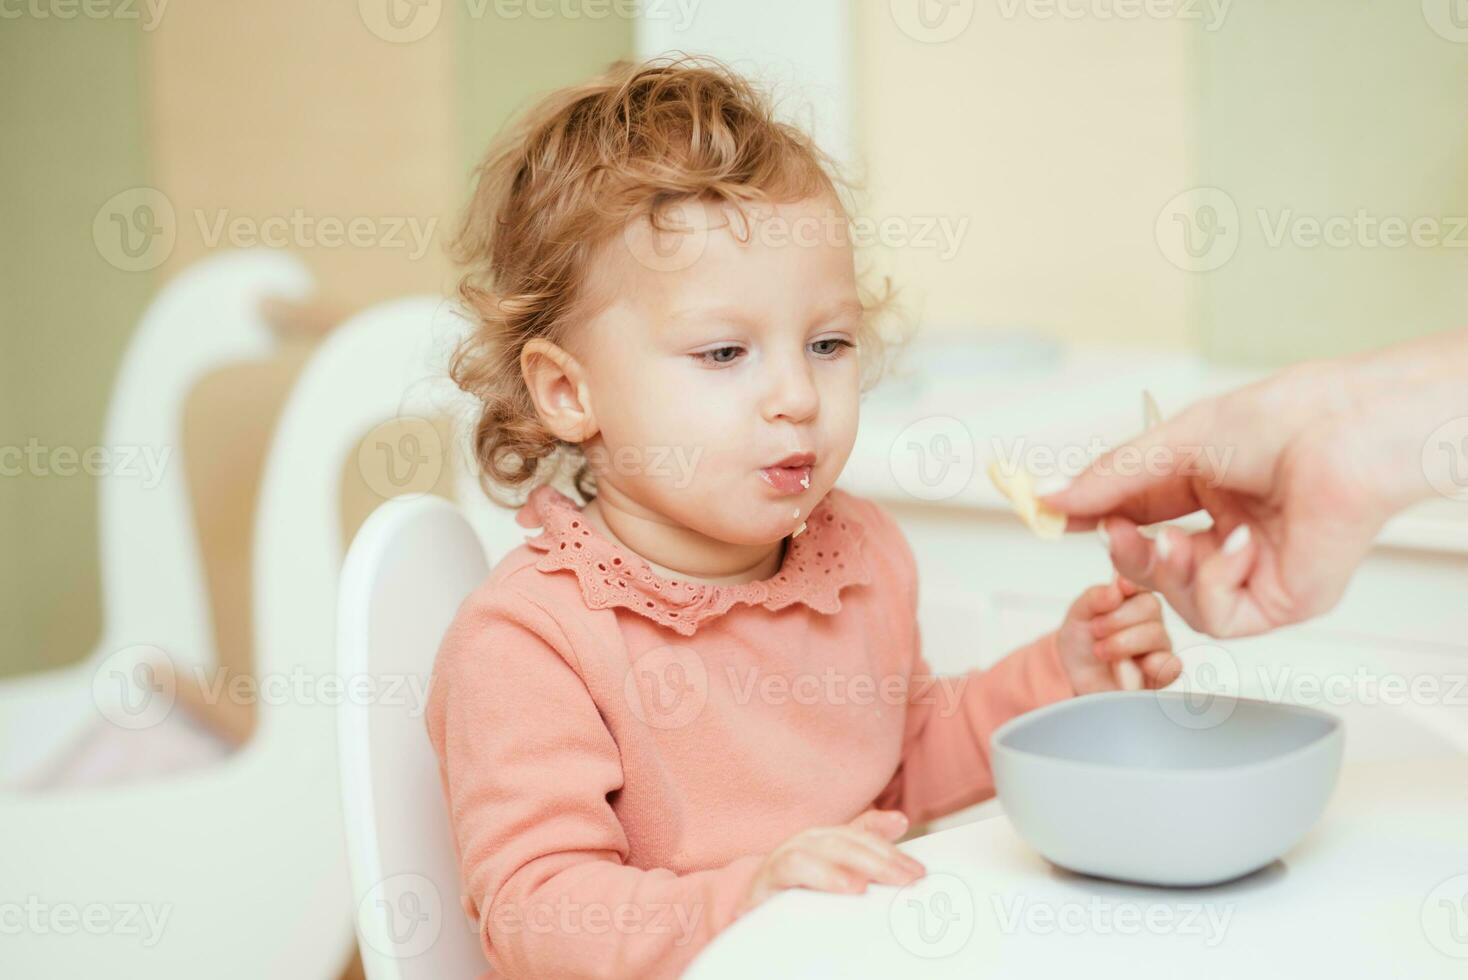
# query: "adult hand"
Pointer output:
{"type": "Point", "coordinates": [1298, 472]}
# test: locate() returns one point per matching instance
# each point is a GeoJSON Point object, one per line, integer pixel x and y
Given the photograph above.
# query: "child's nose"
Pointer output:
{"type": "Point", "coordinates": [792, 393]}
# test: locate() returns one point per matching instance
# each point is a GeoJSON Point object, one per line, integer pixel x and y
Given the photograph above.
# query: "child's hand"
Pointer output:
{"type": "Point", "coordinates": [1113, 639]}
{"type": "Point", "coordinates": [837, 859]}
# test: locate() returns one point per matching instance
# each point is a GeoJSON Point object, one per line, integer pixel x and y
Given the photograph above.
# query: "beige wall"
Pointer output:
{"type": "Point", "coordinates": [1073, 146]}
{"type": "Point", "coordinates": [1057, 141]}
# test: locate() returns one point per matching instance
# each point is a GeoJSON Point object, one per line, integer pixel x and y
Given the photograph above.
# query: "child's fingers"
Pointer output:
{"type": "Point", "coordinates": [1096, 601]}
{"type": "Point", "coordinates": [1160, 668]}
{"type": "Point", "coordinates": [1134, 641]}
{"type": "Point", "coordinates": [800, 867]}
{"type": "Point", "coordinates": [873, 855]}
{"type": "Point", "coordinates": [887, 824]}
{"type": "Point", "coordinates": [1138, 609]}
{"type": "Point", "coordinates": [1128, 675]}
{"type": "Point", "coordinates": [857, 859]}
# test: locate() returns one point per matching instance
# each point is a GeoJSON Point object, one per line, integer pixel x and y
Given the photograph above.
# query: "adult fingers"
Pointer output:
{"type": "Point", "coordinates": [1158, 491]}
{"type": "Point", "coordinates": [1221, 590]}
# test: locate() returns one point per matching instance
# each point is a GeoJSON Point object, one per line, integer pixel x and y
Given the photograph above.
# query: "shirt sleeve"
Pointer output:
{"type": "Point", "coordinates": [527, 765]}
{"type": "Point", "coordinates": [945, 747]}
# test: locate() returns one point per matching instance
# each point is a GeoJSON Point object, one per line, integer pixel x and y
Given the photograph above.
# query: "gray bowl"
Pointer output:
{"type": "Point", "coordinates": [1166, 788]}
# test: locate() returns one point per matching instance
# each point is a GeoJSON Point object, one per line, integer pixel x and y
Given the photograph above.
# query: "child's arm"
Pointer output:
{"type": "Point", "coordinates": [527, 765]}
{"type": "Point", "coordinates": [945, 752]}
{"type": "Point", "coordinates": [945, 745]}
{"type": "Point", "coordinates": [945, 748]}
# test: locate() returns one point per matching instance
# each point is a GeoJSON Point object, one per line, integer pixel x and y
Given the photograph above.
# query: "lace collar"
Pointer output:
{"type": "Point", "coordinates": [825, 558]}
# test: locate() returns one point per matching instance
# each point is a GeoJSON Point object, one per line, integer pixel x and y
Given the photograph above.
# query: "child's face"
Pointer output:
{"type": "Point", "coordinates": [717, 358]}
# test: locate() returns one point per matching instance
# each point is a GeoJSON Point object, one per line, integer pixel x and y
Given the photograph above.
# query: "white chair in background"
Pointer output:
{"type": "Point", "coordinates": [152, 583]}
{"type": "Point", "coordinates": [411, 565]}
{"type": "Point", "coordinates": [246, 858]}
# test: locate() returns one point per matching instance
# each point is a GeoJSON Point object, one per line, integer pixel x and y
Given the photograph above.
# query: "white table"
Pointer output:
{"type": "Point", "coordinates": [1379, 888]}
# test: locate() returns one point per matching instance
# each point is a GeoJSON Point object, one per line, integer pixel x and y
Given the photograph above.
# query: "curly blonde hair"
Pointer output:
{"type": "Point", "coordinates": [574, 171]}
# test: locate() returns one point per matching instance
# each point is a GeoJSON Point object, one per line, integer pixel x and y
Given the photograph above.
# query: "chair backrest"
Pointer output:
{"type": "Point", "coordinates": [208, 316]}
{"type": "Point", "coordinates": [406, 573]}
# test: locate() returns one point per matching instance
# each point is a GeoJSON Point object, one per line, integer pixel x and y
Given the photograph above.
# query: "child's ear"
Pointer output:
{"type": "Point", "coordinates": [557, 385]}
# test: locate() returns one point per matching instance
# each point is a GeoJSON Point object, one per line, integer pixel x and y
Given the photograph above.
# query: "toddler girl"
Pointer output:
{"type": "Point", "coordinates": [704, 685]}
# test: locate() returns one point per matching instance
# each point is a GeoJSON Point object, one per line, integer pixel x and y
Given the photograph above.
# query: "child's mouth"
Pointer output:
{"type": "Point", "coordinates": [787, 479]}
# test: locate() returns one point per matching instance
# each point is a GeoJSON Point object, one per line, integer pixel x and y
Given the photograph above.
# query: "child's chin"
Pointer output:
{"type": "Point", "coordinates": [778, 519]}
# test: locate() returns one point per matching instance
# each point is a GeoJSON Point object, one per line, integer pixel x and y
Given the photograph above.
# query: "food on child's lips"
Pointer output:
{"type": "Point", "coordinates": [790, 475]}
{"type": "Point", "coordinates": [1020, 491]}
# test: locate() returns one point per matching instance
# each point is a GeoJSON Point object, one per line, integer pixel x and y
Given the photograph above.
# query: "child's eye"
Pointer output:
{"type": "Point", "coordinates": [716, 355]}
{"type": "Point", "coordinates": [831, 346]}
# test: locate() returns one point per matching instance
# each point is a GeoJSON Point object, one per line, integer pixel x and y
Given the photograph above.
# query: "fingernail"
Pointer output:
{"type": "Point", "coordinates": [1164, 544]}
{"type": "Point", "coordinates": [1237, 540]}
{"type": "Point", "coordinates": [1052, 484]}
{"type": "Point", "coordinates": [1105, 538]}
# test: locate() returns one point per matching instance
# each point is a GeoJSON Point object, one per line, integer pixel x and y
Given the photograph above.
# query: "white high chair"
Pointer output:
{"type": "Point", "coordinates": [152, 582]}
{"type": "Point", "coordinates": [409, 568]}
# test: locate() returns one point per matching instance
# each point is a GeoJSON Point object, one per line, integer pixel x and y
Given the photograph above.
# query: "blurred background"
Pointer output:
{"type": "Point", "coordinates": [1205, 189]}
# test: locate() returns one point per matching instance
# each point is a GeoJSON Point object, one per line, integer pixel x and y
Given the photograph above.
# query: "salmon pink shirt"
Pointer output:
{"type": "Point", "coordinates": [620, 750]}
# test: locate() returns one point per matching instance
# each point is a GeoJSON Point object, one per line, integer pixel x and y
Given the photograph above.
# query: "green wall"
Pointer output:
{"type": "Point", "coordinates": [72, 118]}
{"type": "Point", "coordinates": [1316, 110]}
